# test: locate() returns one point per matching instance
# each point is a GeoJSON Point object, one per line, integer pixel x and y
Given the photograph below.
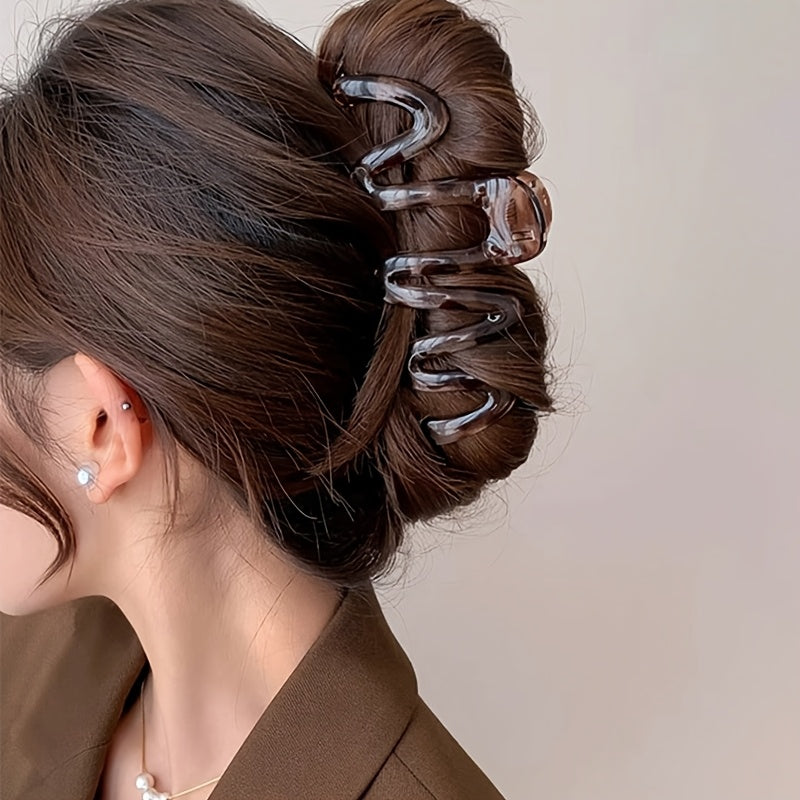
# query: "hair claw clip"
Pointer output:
{"type": "Point", "coordinates": [519, 212]}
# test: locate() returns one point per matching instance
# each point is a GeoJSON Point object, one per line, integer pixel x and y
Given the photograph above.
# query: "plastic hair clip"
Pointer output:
{"type": "Point", "coordinates": [519, 212]}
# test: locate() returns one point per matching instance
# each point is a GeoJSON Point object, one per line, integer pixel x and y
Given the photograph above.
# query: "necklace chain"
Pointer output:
{"type": "Point", "coordinates": [144, 780]}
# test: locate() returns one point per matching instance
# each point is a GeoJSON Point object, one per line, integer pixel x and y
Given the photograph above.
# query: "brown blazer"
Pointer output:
{"type": "Point", "coordinates": [347, 724]}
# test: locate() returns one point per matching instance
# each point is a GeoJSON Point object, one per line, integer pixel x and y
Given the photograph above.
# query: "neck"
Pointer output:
{"type": "Point", "coordinates": [221, 636]}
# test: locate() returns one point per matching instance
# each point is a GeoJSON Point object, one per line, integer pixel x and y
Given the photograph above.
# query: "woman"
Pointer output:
{"type": "Point", "coordinates": [227, 268]}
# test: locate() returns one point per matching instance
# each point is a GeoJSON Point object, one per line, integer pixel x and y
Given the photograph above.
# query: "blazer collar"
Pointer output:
{"type": "Point", "coordinates": [325, 734]}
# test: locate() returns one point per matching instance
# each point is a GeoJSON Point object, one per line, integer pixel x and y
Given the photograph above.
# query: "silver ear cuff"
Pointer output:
{"type": "Point", "coordinates": [87, 472]}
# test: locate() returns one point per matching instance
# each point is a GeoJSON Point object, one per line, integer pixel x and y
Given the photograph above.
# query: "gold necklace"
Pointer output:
{"type": "Point", "coordinates": [144, 780]}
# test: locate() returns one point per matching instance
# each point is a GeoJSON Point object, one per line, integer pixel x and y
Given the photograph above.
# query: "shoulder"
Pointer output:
{"type": "Point", "coordinates": [34, 656]}
{"type": "Point", "coordinates": [39, 645]}
{"type": "Point", "coordinates": [63, 644]}
{"type": "Point", "coordinates": [428, 763]}
{"type": "Point", "coordinates": [63, 673]}
{"type": "Point", "coordinates": [32, 648]}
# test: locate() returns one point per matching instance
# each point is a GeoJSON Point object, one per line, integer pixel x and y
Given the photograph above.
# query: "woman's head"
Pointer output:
{"type": "Point", "coordinates": [176, 209]}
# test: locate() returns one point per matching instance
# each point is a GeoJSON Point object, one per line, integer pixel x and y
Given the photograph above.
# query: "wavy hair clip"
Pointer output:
{"type": "Point", "coordinates": [519, 212]}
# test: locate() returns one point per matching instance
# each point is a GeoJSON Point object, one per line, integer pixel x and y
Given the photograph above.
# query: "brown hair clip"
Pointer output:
{"type": "Point", "coordinates": [519, 212]}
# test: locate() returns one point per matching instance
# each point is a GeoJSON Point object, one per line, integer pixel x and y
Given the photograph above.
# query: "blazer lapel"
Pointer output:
{"type": "Point", "coordinates": [324, 735]}
{"type": "Point", "coordinates": [336, 719]}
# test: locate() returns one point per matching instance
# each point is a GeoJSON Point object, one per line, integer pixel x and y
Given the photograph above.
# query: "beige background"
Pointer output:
{"type": "Point", "coordinates": [622, 620]}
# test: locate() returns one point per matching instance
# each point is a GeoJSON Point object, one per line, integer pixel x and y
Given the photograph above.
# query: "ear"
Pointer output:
{"type": "Point", "coordinates": [115, 438]}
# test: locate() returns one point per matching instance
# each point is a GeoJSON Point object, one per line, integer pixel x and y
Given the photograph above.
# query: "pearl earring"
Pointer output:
{"type": "Point", "coordinates": [87, 473]}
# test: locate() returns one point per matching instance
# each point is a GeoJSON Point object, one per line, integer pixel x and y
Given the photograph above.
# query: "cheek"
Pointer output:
{"type": "Point", "coordinates": [26, 551]}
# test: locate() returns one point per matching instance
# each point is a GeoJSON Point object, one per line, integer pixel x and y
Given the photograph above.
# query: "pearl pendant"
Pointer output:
{"type": "Point", "coordinates": [152, 794]}
{"type": "Point", "coordinates": [144, 780]}
{"type": "Point", "coordinates": [144, 783]}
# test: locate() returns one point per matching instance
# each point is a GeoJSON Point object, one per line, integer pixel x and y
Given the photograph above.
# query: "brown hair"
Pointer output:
{"type": "Point", "coordinates": [175, 201]}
